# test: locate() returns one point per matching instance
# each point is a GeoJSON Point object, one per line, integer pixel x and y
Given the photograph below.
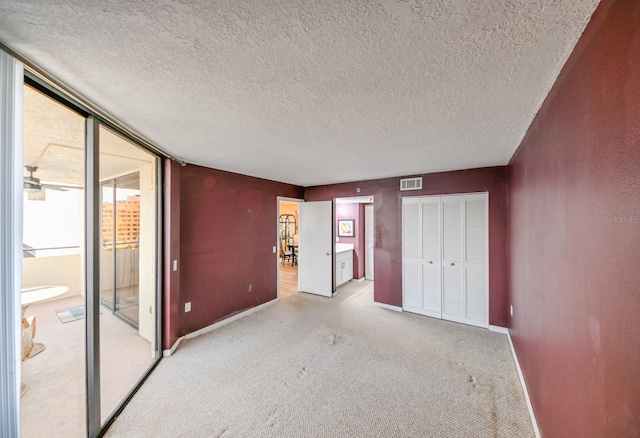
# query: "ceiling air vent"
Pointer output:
{"type": "Point", "coordinates": [411, 184]}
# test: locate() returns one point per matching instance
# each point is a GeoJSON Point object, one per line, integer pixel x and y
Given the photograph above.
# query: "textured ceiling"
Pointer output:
{"type": "Point", "coordinates": [309, 92]}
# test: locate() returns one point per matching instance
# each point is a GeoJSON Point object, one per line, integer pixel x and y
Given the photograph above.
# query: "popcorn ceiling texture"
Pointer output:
{"type": "Point", "coordinates": [309, 92]}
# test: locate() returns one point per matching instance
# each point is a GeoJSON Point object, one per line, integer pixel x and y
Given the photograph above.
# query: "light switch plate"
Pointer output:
{"type": "Point", "coordinates": [187, 307]}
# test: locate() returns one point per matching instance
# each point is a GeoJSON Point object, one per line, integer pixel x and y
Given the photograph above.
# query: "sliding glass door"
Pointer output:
{"type": "Point", "coordinates": [90, 267]}
{"type": "Point", "coordinates": [128, 258]}
{"type": "Point", "coordinates": [53, 331]}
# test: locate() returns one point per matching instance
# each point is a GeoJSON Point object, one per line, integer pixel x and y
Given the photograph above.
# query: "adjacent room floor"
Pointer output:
{"type": "Point", "coordinates": [288, 280]}
{"type": "Point", "coordinates": [333, 367]}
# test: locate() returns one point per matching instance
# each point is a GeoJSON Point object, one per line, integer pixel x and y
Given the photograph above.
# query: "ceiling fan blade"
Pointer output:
{"type": "Point", "coordinates": [61, 187]}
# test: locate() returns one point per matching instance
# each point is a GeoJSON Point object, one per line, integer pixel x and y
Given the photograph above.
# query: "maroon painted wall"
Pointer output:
{"type": "Point", "coordinates": [228, 227]}
{"type": "Point", "coordinates": [355, 212]}
{"type": "Point", "coordinates": [574, 214]}
{"type": "Point", "coordinates": [387, 205]}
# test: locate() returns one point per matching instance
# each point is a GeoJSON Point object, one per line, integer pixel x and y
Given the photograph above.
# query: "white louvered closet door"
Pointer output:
{"type": "Point", "coordinates": [452, 256]}
{"type": "Point", "coordinates": [411, 257]}
{"type": "Point", "coordinates": [445, 257]}
{"type": "Point", "coordinates": [431, 223]}
{"type": "Point", "coordinates": [476, 263]}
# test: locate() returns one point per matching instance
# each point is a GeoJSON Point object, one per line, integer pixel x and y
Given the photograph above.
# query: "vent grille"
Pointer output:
{"type": "Point", "coordinates": [411, 184]}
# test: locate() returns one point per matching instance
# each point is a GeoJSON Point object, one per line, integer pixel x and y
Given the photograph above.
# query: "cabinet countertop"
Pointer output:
{"type": "Point", "coordinates": [343, 247]}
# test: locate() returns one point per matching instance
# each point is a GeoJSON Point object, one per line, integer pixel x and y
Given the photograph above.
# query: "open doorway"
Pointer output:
{"type": "Point", "coordinates": [354, 240]}
{"type": "Point", "coordinates": [287, 246]}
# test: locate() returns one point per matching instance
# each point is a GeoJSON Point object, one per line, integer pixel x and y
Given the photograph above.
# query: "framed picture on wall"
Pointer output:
{"type": "Point", "coordinates": [345, 227]}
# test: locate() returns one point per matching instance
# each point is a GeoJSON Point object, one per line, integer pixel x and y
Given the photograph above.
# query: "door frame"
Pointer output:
{"type": "Point", "coordinates": [277, 244]}
{"type": "Point", "coordinates": [11, 83]}
{"type": "Point", "coordinates": [360, 199]}
{"type": "Point", "coordinates": [369, 260]}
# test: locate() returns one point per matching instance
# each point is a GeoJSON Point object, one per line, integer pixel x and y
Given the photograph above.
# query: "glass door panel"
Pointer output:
{"type": "Point", "coordinates": [53, 295]}
{"type": "Point", "coordinates": [128, 267]}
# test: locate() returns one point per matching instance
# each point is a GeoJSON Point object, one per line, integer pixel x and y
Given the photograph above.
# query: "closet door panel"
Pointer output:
{"type": "Point", "coordinates": [476, 260]}
{"type": "Point", "coordinates": [452, 251]}
{"type": "Point", "coordinates": [410, 228]}
{"type": "Point", "coordinates": [452, 232]}
{"type": "Point", "coordinates": [432, 289]}
{"type": "Point", "coordinates": [431, 258]}
{"type": "Point", "coordinates": [431, 229]}
{"type": "Point", "coordinates": [476, 230]}
{"type": "Point", "coordinates": [411, 255]}
{"type": "Point", "coordinates": [412, 286]}
{"type": "Point", "coordinates": [476, 295]}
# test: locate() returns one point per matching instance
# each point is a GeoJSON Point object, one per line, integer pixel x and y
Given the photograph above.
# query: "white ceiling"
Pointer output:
{"type": "Point", "coordinates": [309, 92]}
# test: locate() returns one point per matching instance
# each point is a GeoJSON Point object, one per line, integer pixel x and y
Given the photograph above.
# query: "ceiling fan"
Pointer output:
{"type": "Point", "coordinates": [34, 187]}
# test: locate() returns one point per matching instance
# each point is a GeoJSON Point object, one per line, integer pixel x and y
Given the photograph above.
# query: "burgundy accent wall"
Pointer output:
{"type": "Point", "coordinates": [355, 212]}
{"type": "Point", "coordinates": [172, 321]}
{"type": "Point", "coordinates": [387, 205]}
{"type": "Point", "coordinates": [574, 212]}
{"type": "Point", "coordinates": [228, 227]}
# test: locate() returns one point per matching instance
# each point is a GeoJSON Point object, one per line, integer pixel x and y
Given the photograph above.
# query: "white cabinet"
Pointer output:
{"type": "Point", "coordinates": [445, 257]}
{"type": "Point", "coordinates": [344, 267]}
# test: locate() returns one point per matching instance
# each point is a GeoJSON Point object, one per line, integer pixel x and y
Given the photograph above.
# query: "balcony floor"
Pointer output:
{"type": "Point", "coordinates": [54, 404]}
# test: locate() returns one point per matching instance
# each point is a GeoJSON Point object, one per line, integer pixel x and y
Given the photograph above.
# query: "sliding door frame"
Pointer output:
{"type": "Point", "coordinates": [11, 78]}
{"type": "Point", "coordinates": [9, 353]}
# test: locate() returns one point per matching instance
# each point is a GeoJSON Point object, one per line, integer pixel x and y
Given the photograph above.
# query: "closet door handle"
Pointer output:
{"type": "Point", "coordinates": [431, 262]}
{"type": "Point", "coordinates": [453, 264]}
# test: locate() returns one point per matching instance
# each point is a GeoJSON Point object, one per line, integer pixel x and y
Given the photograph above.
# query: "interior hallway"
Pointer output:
{"type": "Point", "coordinates": [313, 366]}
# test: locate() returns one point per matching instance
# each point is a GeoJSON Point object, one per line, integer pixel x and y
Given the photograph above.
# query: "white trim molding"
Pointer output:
{"type": "Point", "coordinates": [174, 347]}
{"type": "Point", "coordinates": [388, 306]}
{"type": "Point", "coordinates": [524, 388]}
{"type": "Point", "coordinates": [11, 83]}
{"type": "Point", "coordinates": [357, 280]}
{"type": "Point", "coordinates": [498, 329]}
{"type": "Point", "coordinates": [217, 325]}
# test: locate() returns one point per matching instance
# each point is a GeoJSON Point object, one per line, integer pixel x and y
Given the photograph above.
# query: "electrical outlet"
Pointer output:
{"type": "Point", "coordinates": [512, 310]}
{"type": "Point", "coordinates": [249, 288]}
{"type": "Point", "coordinates": [187, 307]}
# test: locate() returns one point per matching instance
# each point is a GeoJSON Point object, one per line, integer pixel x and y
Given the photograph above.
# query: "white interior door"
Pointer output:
{"type": "Point", "coordinates": [368, 241]}
{"type": "Point", "coordinates": [315, 273]}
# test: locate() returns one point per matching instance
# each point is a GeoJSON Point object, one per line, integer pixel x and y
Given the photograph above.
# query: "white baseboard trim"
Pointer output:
{"type": "Point", "coordinates": [498, 329]}
{"type": "Point", "coordinates": [226, 321]}
{"type": "Point", "coordinates": [357, 280]}
{"type": "Point", "coordinates": [174, 347]}
{"type": "Point", "coordinates": [217, 325]}
{"type": "Point", "coordinates": [388, 306]}
{"type": "Point", "coordinates": [524, 388]}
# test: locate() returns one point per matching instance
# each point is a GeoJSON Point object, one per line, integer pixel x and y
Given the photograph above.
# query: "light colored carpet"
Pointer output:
{"type": "Point", "coordinates": [310, 366]}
